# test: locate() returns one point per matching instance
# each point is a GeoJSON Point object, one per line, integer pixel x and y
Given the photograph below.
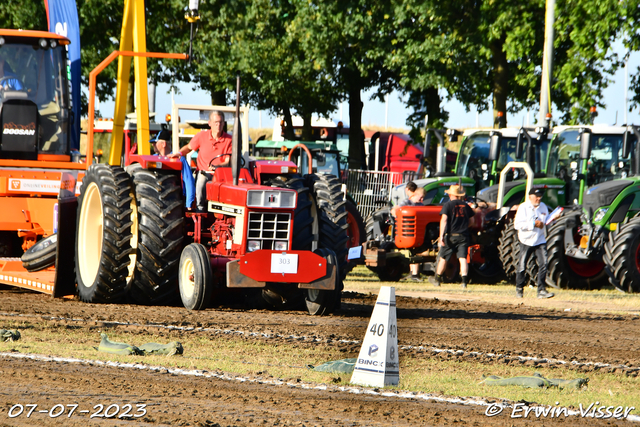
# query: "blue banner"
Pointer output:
{"type": "Point", "coordinates": [63, 20]}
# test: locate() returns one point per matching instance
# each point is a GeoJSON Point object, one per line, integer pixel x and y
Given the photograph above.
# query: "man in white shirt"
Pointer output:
{"type": "Point", "coordinates": [530, 222]}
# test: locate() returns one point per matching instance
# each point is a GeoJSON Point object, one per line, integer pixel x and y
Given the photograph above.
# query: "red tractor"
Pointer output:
{"type": "Point", "coordinates": [416, 229]}
{"type": "Point", "coordinates": [272, 232]}
{"type": "Point", "coordinates": [266, 232]}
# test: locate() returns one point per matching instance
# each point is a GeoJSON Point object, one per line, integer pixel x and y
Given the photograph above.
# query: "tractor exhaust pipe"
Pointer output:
{"type": "Point", "coordinates": [236, 140]}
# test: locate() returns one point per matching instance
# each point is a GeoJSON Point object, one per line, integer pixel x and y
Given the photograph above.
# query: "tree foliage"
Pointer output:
{"type": "Point", "coordinates": [305, 56]}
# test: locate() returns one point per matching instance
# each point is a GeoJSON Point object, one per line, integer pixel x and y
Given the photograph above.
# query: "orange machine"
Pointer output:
{"type": "Point", "coordinates": [416, 230]}
{"type": "Point", "coordinates": [35, 153]}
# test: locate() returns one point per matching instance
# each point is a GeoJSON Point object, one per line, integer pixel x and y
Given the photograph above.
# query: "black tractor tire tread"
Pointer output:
{"type": "Point", "coordinates": [332, 216]}
{"type": "Point", "coordinates": [559, 274]}
{"type": "Point", "coordinates": [509, 250]}
{"type": "Point", "coordinates": [160, 235]}
{"type": "Point", "coordinates": [380, 215]}
{"type": "Point", "coordinates": [115, 186]}
{"type": "Point", "coordinates": [324, 301]}
{"type": "Point", "coordinates": [619, 263]}
{"type": "Point", "coordinates": [326, 191]}
{"type": "Point", "coordinates": [41, 255]}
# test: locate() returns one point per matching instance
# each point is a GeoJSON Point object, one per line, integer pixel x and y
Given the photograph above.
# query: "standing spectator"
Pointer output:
{"type": "Point", "coordinates": [530, 222]}
{"type": "Point", "coordinates": [455, 219]}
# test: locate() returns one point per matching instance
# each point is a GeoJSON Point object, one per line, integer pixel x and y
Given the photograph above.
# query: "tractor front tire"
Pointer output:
{"type": "Point", "coordinates": [195, 277]}
{"type": "Point", "coordinates": [160, 235]}
{"type": "Point", "coordinates": [320, 302]}
{"type": "Point", "coordinates": [381, 217]}
{"type": "Point", "coordinates": [565, 272]}
{"type": "Point", "coordinates": [105, 241]}
{"type": "Point", "coordinates": [622, 257]}
{"type": "Point", "coordinates": [41, 255]}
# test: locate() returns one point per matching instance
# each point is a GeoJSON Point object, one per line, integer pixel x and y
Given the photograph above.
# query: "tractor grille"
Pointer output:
{"type": "Point", "coordinates": [407, 226]}
{"type": "Point", "coordinates": [269, 227]}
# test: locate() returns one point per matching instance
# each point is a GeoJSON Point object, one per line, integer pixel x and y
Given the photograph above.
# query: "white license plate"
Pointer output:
{"type": "Point", "coordinates": [284, 263]}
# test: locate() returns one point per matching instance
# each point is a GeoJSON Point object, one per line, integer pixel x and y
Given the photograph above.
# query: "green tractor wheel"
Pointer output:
{"type": "Point", "coordinates": [622, 257]}
{"type": "Point", "coordinates": [568, 272]}
{"type": "Point", "coordinates": [509, 250]}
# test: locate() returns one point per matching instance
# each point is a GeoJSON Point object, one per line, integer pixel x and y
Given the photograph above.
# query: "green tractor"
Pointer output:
{"type": "Point", "coordinates": [597, 241]}
{"type": "Point", "coordinates": [483, 154]}
{"type": "Point", "coordinates": [576, 158]}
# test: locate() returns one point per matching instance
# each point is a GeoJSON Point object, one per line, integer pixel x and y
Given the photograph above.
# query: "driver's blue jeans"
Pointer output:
{"type": "Point", "coordinates": [201, 190]}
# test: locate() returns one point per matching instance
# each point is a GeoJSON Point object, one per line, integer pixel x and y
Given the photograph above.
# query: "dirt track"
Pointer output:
{"type": "Point", "coordinates": [423, 324]}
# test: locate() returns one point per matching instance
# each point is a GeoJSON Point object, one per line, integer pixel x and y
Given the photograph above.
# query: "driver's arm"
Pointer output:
{"type": "Point", "coordinates": [182, 152]}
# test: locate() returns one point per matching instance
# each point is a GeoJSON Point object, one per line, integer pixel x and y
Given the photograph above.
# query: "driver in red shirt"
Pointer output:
{"type": "Point", "coordinates": [211, 147]}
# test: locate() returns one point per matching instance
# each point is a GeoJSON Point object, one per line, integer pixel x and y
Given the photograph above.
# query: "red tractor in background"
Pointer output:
{"type": "Point", "coordinates": [417, 229]}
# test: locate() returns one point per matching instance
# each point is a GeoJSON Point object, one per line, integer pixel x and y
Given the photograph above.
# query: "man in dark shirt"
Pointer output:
{"type": "Point", "coordinates": [455, 219]}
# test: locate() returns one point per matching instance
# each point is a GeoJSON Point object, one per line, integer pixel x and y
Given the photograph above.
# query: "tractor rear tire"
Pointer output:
{"type": "Point", "coordinates": [326, 191]}
{"type": "Point", "coordinates": [320, 302]}
{"type": "Point", "coordinates": [393, 270]}
{"type": "Point", "coordinates": [565, 272]}
{"type": "Point", "coordinates": [355, 229]}
{"type": "Point", "coordinates": [622, 257]}
{"type": "Point", "coordinates": [160, 235]}
{"type": "Point", "coordinates": [105, 241]}
{"type": "Point", "coordinates": [380, 216]}
{"type": "Point", "coordinates": [509, 250]}
{"type": "Point", "coordinates": [195, 277]}
{"type": "Point", "coordinates": [41, 255]}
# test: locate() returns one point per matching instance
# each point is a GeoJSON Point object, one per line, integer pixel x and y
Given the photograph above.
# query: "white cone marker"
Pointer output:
{"type": "Point", "coordinates": [377, 364]}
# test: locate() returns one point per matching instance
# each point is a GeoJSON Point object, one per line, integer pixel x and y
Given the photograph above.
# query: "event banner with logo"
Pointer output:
{"type": "Point", "coordinates": [62, 16]}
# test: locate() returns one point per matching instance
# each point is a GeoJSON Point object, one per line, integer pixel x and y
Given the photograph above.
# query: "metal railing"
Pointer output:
{"type": "Point", "coordinates": [371, 190]}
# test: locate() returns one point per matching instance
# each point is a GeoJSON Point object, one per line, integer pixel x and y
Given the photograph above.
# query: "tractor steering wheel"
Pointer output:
{"type": "Point", "coordinates": [242, 162]}
{"type": "Point", "coordinates": [9, 81]}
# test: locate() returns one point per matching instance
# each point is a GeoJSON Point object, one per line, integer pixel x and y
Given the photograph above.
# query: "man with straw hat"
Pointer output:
{"type": "Point", "coordinates": [455, 219]}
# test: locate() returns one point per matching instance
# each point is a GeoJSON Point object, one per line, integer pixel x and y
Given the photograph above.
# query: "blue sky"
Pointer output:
{"type": "Point", "coordinates": [374, 111]}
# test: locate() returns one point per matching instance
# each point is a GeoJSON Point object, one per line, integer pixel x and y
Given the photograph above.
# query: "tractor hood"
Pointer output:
{"type": "Point", "coordinates": [603, 194]}
{"type": "Point", "coordinates": [490, 194]}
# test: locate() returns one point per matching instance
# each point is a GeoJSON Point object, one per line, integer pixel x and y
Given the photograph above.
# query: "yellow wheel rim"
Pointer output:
{"type": "Point", "coordinates": [187, 283]}
{"type": "Point", "coordinates": [90, 235]}
{"type": "Point", "coordinates": [134, 239]}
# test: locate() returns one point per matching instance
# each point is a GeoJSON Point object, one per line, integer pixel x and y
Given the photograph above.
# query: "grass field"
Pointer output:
{"type": "Point", "coordinates": [608, 300]}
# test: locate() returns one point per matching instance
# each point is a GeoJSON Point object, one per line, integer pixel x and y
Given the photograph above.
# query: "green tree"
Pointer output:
{"type": "Point", "coordinates": [350, 39]}
{"type": "Point", "coordinates": [583, 60]}
{"type": "Point", "coordinates": [488, 51]}
{"type": "Point", "coordinates": [23, 15]}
